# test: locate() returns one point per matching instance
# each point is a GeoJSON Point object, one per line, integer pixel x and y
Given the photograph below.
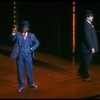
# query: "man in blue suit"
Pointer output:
{"type": "Point", "coordinates": [23, 51]}
{"type": "Point", "coordinates": [89, 45]}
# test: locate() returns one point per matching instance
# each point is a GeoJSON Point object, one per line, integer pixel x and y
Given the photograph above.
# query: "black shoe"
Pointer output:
{"type": "Point", "coordinates": [21, 89]}
{"type": "Point", "coordinates": [87, 79]}
{"type": "Point", "coordinates": [33, 86]}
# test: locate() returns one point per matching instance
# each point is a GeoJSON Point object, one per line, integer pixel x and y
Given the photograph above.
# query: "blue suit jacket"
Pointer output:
{"type": "Point", "coordinates": [18, 38]}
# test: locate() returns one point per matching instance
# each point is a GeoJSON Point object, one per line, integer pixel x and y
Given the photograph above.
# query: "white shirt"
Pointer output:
{"type": "Point", "coordinates": [90, 23]}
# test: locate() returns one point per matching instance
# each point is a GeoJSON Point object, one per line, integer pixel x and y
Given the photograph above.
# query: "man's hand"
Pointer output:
{"type": "Point", "coordinates": [93, 50]}
{"type": "Point", "coordinates": [31, 49]}
{"type": "Point", "coordinates": [14, 31]}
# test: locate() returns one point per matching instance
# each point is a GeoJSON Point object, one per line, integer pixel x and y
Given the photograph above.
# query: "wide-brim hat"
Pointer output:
{"type": "Point", "coordinates": [88, 13]}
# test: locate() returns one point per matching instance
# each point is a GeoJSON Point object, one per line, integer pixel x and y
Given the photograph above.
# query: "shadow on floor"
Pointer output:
{"type": "Point", "coordinates": [5, 52]}
{"type": "Point", "coordinates": [37, 62]}
{"type": "Point", "coordinates": [97, 96]}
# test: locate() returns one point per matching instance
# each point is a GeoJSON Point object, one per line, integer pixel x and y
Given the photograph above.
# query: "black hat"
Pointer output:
{"type": "Point", "coordinates": [25, 23]}
{"type": "Point", "coordinates": [88, 13]}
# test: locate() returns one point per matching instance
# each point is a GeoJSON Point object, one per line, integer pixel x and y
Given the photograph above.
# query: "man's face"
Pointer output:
{"type": "Point", "coordinates": [90, 18]}
{"type": "Point", "coordinates": [25, 29]}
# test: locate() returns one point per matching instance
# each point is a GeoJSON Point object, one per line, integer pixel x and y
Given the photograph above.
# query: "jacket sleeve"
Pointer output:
{"type": "Point", "coordinates": [88, 37]}
{"type": "Point", "coordinates": [35, 43]}
{"type": "Point", "coordinates": [13, 37]}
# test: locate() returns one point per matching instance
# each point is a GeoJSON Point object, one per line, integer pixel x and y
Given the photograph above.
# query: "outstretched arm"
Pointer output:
{"type": "Point", "coordinates": [13, 35]}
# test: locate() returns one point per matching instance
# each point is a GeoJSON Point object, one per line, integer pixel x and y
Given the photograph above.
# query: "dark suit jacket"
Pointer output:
{"type": "Point", "coordinates": [89, 38]}
{"type": "Point", "coordinates": [31, 40]}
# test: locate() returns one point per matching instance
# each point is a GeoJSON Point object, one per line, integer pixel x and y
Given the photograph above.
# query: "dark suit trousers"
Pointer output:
{"type": "Point", "coordinates": [84, 66]}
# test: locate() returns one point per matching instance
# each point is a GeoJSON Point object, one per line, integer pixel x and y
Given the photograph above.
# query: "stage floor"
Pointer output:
{"type": "Point", "coordinates": [56, 78]}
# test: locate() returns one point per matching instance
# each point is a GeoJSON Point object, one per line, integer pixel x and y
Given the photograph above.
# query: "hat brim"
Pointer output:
{"type": "Point", "coordinates": [25, 23]}
{"type": "Point", "coordinates": [26, 26]}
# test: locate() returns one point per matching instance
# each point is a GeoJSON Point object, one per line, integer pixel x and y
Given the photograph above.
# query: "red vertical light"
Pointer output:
{"type": "Point", "coordinates": [73, 28]}
{"type": "Point", "coordinates": [14, 17]}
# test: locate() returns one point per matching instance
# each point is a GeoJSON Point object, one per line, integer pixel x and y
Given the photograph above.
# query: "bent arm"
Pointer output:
{"type": "Point", "coordinates": [35, 43]}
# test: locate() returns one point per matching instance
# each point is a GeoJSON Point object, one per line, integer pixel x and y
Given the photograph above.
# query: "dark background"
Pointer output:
{"type": "Point", "coordinates": [51, 22]}
{"type": "Point", "coordinates": [81, 7]}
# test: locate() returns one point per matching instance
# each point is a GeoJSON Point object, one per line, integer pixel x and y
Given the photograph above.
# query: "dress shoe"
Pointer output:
{"type": "Point", "coordinates": [87, 79]}
{"type": "Point", "coordinates": [21, 89]}
{"type": "Point", "coordinates": [33, 86]}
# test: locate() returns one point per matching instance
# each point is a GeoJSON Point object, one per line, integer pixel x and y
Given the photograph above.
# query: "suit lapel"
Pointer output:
{"type": "Point", "coordinates": [20, 39]}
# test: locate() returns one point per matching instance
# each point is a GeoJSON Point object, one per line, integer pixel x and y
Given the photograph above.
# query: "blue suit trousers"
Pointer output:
{"type": "Point", "coordinates": [24, 60]}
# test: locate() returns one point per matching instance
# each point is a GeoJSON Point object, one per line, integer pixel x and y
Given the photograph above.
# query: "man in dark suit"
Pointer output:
{"type": "Point", "coordinates": [89, 45]}
{"type": "Point", "coordinates": [23, 51]}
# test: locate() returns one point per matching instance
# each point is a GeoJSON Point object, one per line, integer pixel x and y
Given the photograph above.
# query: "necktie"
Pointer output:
{"type": "Point", "coordinates": [24, 35]}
